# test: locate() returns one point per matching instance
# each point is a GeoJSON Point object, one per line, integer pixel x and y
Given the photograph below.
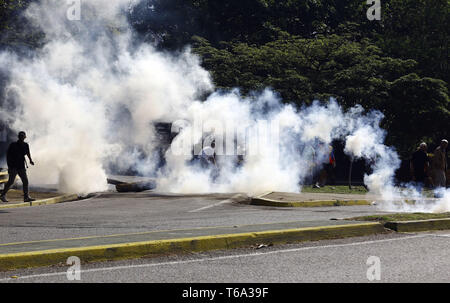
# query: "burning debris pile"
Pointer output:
{"type": "Point", "coordinates": [90, 98]}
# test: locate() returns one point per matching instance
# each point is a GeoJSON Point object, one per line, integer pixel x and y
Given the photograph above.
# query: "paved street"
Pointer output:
{"type": "Point", "coordinates": [117, 213]}
{"type": "Point", "coordinates": [421, 257]}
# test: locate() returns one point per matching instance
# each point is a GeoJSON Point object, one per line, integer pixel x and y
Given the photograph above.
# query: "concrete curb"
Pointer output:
{"type": "Point", "coordinates": [183, 245]}
{"type": "Point", "coordinates": [3, 177]}
{"type": "Point", "coordinates": [259, 200]}
{"type": "Point", "coordinates": [419, 225]}
{"type": "Point", "coordinates": [54, 200]}
{"type": "Point", "coordinates": [15, 205]}
{"type": "Point", "coordinates": [2, 181]}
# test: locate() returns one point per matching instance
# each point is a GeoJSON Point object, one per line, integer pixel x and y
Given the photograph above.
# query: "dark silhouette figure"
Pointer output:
{"type": "Point", "coordinates": [419, 165]}
{"type": "Point", "coordinates": [15, 157]}
{"type": "Point", "coordinates": [3, 143]}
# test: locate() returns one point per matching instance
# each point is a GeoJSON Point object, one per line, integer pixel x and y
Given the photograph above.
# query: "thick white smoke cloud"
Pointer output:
{"type": "Point", "coordinates": [366, 141]}
{"type": "Point", "coordinates": [90, 96]}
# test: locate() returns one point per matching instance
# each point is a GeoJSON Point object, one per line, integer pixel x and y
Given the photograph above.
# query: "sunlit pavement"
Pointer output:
{"type": "Point", "coordinates": [120, 213]}
{"type": "Point", "coordinates": [116, 213]}
{"type": "Point", "coordinates": [419, 257]}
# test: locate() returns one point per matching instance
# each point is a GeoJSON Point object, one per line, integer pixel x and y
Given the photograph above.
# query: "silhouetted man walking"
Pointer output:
{"type": "Point", "coordinates": [15, 157]}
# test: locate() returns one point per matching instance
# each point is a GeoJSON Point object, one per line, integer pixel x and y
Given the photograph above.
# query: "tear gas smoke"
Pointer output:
{"type": "Point", "coordinates": [89, 98]}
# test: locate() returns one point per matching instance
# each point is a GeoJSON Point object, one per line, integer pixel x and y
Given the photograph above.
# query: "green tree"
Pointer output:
{"type": "Point", "coordinates": [303, 70]}
{"type": "Point", "coordinates": [15, 30]}
{"type": "Point", "coordinates": [419, 30]}
{"type": "Point", "coordinates": [417, 108]}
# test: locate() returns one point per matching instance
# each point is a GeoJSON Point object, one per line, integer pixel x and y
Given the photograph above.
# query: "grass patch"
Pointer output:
{"type": "Point", "coordinates": [343, 189]}
{"type": "Point", "coordinates": [335, 189]}
{"type": "Point", "coordinates": [401, 217]}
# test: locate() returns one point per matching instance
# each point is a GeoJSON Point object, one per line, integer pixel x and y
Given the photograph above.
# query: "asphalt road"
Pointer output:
{"type": "Point", "coordinates": [420, 257]}
{"type": "Point", "coordinates": [117, 213]}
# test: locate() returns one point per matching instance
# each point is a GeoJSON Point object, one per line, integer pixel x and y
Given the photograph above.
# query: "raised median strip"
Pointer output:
{"type": "Point", "coordinates": [409, 222]}
{"type": "Point", "coordinates": [3, 177]}
{"type": "Point", "coordinates": [88, 249]}
{"type": "Point", "coordinates": [48, 201]}
{"type": "Point", "coordinates": [290, 201]}
{"type": "Point", "coordinates": [14, 205]}
{"type": "Point", "coordinates": [419, 225]}
{"type": "Point", "coordinates": [54, 200]}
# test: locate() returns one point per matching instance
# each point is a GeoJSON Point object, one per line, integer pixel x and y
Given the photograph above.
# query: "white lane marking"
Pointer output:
{"type": "Point", "coordinates": [211, 206]}
{"type": "Point", "coordinates": [439, 235]}
{"type": "Point", "coordinates": [216, 258]}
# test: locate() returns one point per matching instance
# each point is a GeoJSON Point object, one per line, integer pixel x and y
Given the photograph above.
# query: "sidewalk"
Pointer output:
{"type": "Point", "coordinates": [15, 198]}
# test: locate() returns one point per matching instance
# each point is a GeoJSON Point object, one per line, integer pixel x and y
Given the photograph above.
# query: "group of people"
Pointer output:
{"type": "Point", "coordinates": [427, 169]}
{"type": "Point", "coordinates": [320, 157]}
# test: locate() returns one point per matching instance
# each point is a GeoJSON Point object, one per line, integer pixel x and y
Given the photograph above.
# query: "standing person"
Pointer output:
{"type": "Point", "coordinates": [330, 167]}
{"type": "Point", "coordinates": [319, 157]}
{"type": "Point", "coordinates": [326, 163]}
{"type": "Point", "coordinates": [208, 160]}
{"type": "Point", "coordinates": [15, 158]}
{"type": "Point", "coordinates": [439, 164]}
{"type": "Point", "coordinates": [208, 156]}
{"type": "Point", "coordinates": [419, 164]}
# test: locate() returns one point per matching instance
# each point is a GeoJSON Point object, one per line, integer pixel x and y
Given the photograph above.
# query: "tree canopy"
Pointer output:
{"type": "Point", "coordinates": [316, 49]}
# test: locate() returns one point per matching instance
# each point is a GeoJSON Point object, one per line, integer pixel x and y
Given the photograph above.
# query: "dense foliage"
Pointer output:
{"type": "Point", "coordinates": [306, 50]}
{"type": "Point", "coordinates": [16, 32]}
{"type": "Point", "coordinates": [314, 49]}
